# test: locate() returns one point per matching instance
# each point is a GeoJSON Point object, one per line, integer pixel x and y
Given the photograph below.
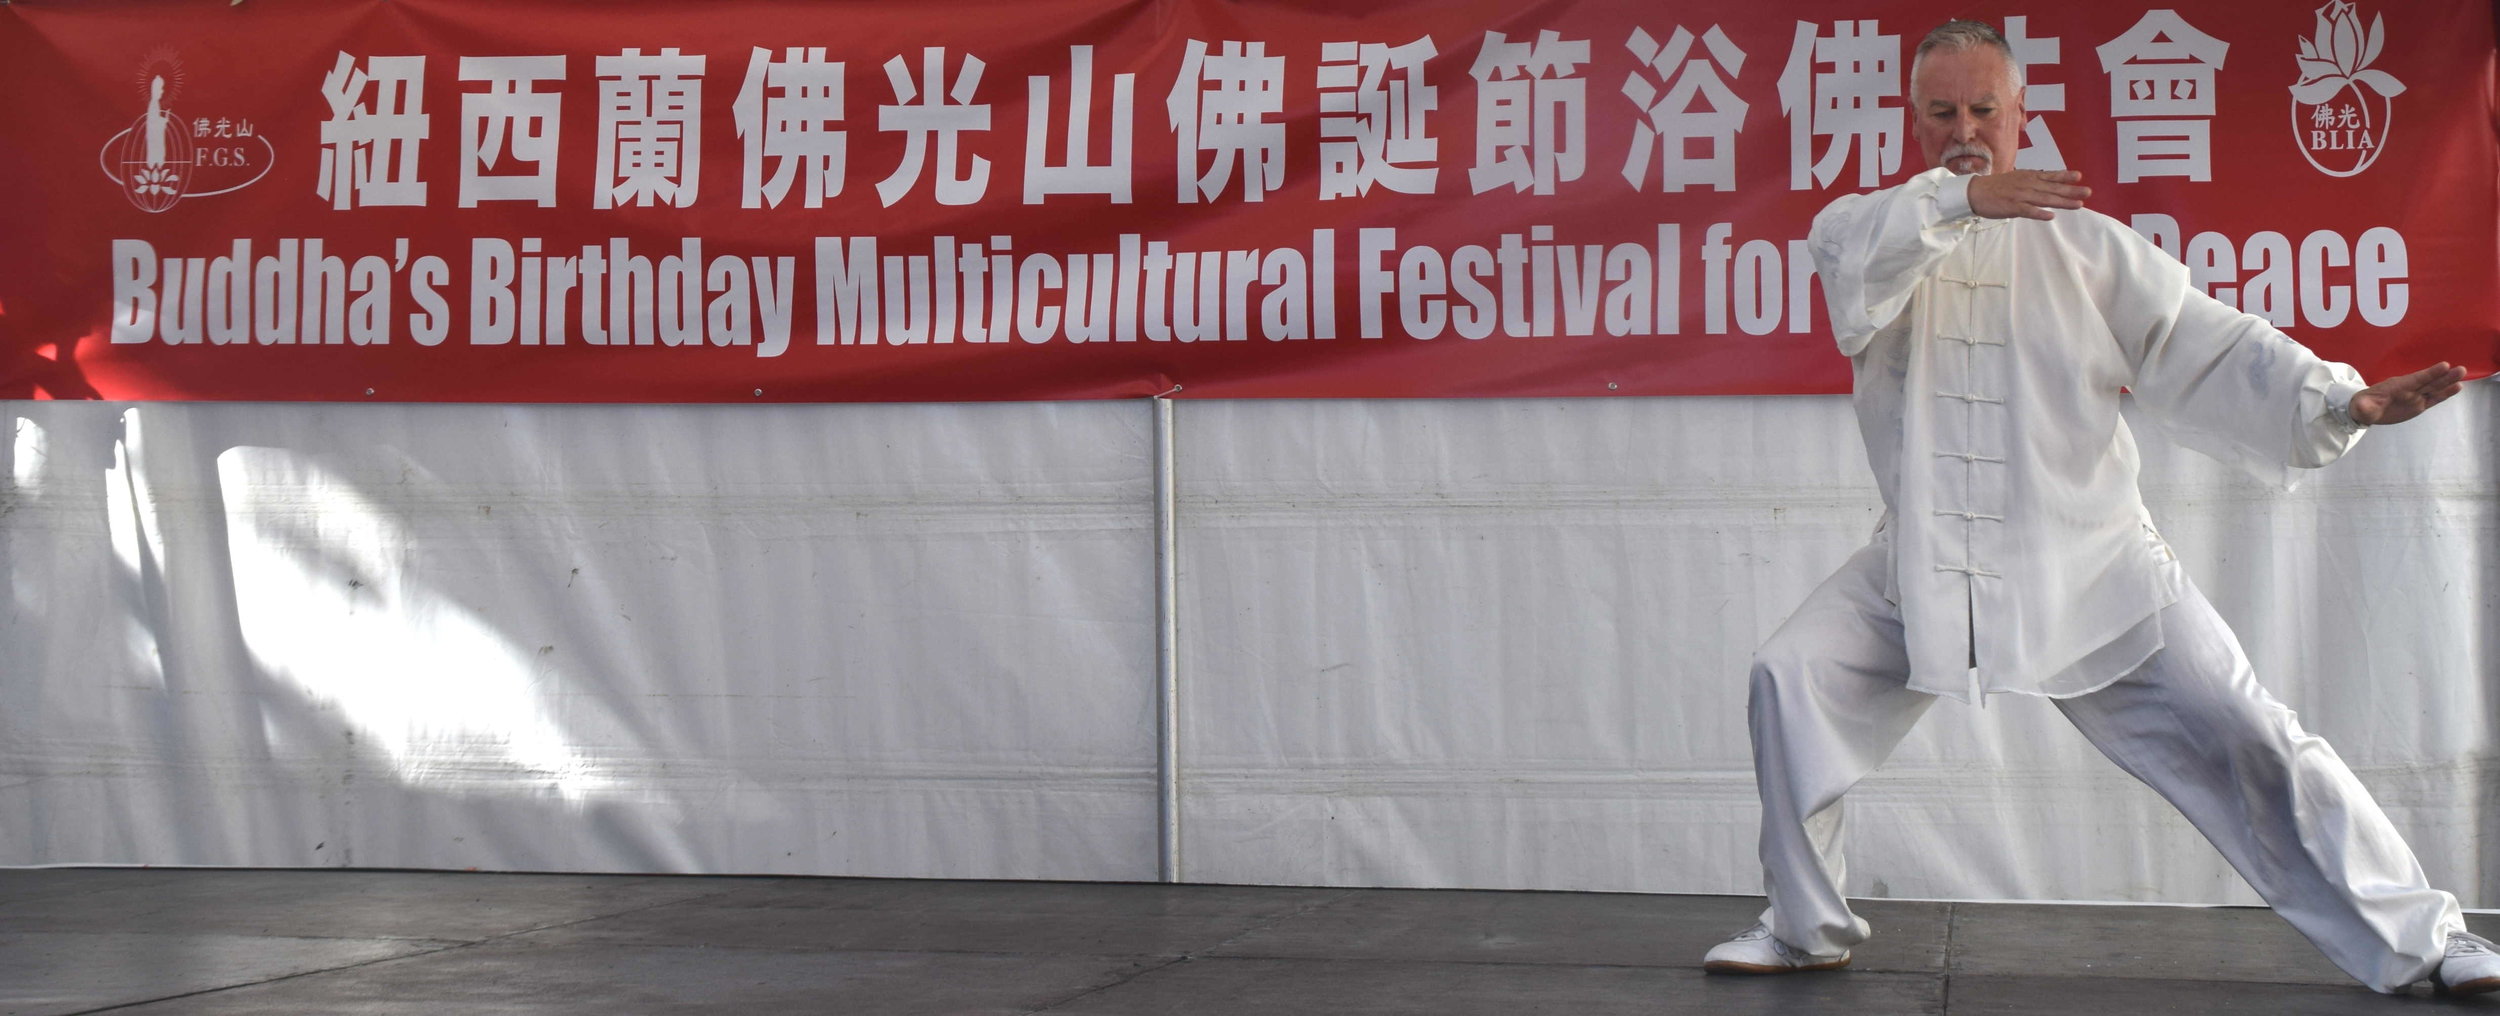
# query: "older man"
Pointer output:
{"type": "Point", "coordinates": [1991, 323]}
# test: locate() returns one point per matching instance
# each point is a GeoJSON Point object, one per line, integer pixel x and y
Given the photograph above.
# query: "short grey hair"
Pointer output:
{"type": "Point", "coordinates": [1962, 35]}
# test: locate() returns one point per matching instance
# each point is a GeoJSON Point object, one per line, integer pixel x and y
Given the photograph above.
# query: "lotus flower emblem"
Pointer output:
{"type": "Point", "coordinates": [156, 181]}
{"type": "Point", "coordinates": [2340, 106]}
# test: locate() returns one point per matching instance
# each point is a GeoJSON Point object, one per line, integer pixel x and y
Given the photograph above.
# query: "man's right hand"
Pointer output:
{"type": "Point", "coordinates": [2026, 193]}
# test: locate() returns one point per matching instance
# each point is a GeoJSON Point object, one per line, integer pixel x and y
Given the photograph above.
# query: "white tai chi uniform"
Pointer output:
{"type": "Point", "coordinates": [2016, 555]}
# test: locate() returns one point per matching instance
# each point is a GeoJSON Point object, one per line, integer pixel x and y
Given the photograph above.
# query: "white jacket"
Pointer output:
{"type": "Point", "coordinates": [1989, 354]}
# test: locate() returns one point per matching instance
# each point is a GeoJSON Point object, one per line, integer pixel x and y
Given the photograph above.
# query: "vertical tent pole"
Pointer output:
{"type": "Point", "coordinates": [1167, 649]}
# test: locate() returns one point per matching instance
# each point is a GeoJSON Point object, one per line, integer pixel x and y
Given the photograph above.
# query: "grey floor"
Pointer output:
{"type": "Point", "coordinates": [269, 943]}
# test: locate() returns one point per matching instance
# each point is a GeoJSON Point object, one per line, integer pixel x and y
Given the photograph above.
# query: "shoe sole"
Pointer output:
{"type": "Point", "coordinates": [2474, 987]}
{"type": "Point", "coordinates": [1735, 967]}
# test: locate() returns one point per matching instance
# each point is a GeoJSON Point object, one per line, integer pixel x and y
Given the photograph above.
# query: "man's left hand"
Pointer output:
{"type": "Point", "coordinates": [2398, 399]}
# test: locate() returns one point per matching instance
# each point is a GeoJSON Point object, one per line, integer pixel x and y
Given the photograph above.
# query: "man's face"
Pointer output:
{"type": "Point", "coordinates": [1968, 114]}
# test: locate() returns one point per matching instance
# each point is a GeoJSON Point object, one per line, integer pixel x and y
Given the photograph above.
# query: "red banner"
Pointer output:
{"type": "Point", "coordinates": [544, 201]}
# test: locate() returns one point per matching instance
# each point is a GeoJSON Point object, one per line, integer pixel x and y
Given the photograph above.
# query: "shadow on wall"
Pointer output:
{"type": "Point", "coordinates": [557, 639]}
{"type": "Point", "coordinates": [325, 661]}
{"type": "Point", "coordinates": [47, 370]}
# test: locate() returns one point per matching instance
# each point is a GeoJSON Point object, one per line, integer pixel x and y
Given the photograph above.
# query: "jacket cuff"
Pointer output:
{"type": "Point", "coordinates": [1953, 198]}
{"type": "Point", "coordinates": [2339, 404]}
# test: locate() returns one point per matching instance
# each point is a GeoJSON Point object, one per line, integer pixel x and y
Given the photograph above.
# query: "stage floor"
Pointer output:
{"type": "Point", "coordinates": [148, 942]}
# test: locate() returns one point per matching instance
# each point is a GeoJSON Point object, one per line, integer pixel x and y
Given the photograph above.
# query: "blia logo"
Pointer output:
{"type": "Point", "coordinates": [162, 158]}
{"type": "Point", "coordinates": [2342, 107]}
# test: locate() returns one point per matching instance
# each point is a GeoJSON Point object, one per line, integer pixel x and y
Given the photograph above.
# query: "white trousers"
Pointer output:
{"type": "Point", "coordinates": [1830, 702]}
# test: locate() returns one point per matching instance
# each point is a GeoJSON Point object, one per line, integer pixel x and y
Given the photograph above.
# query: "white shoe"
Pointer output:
{"type": "Point", "coordinates": [2470, 967]}
{"type": "Point", "coordinates": [1756, 952]}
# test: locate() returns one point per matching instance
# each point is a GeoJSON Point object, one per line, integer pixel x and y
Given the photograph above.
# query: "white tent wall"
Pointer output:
{"type": "Point", "coordinates": [1490, 643]}
{"type": "Point", "coordinates": [881, 640]}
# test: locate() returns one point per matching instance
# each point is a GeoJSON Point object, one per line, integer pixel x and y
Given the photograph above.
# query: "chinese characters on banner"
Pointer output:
{"type": "Point", "coordinates": [905, 203]}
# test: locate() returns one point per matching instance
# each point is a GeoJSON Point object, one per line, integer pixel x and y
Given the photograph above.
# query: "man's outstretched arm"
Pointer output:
{"type": "Point", "coordinates": [2224, 382]}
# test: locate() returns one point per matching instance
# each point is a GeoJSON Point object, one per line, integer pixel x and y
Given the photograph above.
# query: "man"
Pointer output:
{"type": "Point", "coordinates": [1991, 322]}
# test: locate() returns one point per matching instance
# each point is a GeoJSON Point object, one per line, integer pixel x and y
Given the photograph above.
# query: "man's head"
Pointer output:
{"type": "Point", "coordinates": [1966, 98]}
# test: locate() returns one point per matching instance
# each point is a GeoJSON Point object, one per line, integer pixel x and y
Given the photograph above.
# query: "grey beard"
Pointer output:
{"type": "Point", "coordinates": [1987, 159]}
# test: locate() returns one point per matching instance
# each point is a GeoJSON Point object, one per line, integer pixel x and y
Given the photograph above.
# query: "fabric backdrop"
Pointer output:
{"type": "Point", "coordinates": [1494, 643]}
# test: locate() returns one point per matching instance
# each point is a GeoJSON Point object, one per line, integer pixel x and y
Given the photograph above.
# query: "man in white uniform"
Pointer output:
{"type": "Point", "coordinates": [1991, 322]}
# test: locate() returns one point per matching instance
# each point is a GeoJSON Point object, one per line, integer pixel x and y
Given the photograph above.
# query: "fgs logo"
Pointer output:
{"type": "Point", "coordinates": [162, 157]}
{"type": "Point", "coordinates": [2342, 107]}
